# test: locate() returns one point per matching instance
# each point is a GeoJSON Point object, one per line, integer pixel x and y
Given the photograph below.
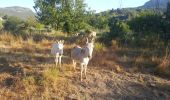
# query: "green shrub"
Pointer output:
{"type": "Point", "coordinates": [1, 25]}
{"type": "Point", "coordinates": [105, 38]}
{"type": "Point", "coordinates": [13, 24]}
{"type": "Point", "coordinates": [98, 47]}
{"type": "Point", "coordinates": [118, 28]}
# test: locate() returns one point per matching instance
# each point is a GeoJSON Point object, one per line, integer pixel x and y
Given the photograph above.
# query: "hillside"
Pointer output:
{"type": "Point", "coordinates": [155, 3]}
{"type": "Point", "coordinates": [123, 13]}
{"type": "Point", "coordinates": [16, 11]}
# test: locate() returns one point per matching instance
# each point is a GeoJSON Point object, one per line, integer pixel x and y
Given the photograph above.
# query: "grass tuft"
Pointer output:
{"type": "Point", "coordinates": [99, 47]}
{"type": "Point", "coordinates": [50, 75]}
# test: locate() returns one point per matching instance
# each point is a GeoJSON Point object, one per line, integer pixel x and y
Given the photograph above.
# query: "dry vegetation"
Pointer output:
{"type": "Point", "coordinates": [27, 71]}
{"type": "Point", "coordinates": [146, 60]}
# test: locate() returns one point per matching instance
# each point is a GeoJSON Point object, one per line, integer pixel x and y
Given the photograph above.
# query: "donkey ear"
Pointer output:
{"type": "Point", "coordinates": [60, 41]}
{"type": "Point", "coordinates": [87, 40]}
{"type": "Point", "coordinates": [63, 41]}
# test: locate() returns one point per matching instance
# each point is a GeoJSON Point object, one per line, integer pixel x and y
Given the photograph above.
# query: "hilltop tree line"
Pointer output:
{"type": "Point", "coordinates": [142, 28]}
{"type": "Point", "coordinates": [122, 24]}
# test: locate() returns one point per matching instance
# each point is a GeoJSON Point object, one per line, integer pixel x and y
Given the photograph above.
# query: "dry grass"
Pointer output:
{"type": "Point", "coordinates": [42, 80]}
{"type": "Point", "coordinates": [7, 37]}
{"type": "Point", "coordinates": [145, 60]}
{"type": "Point", "coordinates": [164, 65]}
{"type": "Point", "coordinates": [28, 72]}
{"type": "Point", "coordinates": [114, 44]}
{"type": "Point", "coordinates": [21, 54]}
{"type": "Point", "coordinates": [50, 75]}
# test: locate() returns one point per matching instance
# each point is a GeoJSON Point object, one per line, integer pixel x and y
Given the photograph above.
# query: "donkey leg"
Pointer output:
{"type": "Point", "coordinates": [56, 59]}
{"type": "Point", "coordinates": [82, 68]}
{"type": "Point", "coordinates": [60, 61]}
{"type": "Point", "coordinates": [85, 69]}
{"type": "Point", "coordinates": [74, 65]}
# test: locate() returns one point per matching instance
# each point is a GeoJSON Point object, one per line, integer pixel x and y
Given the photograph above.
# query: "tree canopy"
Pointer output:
{"type": "Point", "coordinates": [67, 15]}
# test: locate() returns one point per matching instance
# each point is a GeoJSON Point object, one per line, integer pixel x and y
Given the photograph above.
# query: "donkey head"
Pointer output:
{"type": "Point", "coordinates": [89, 48]}
{"type": "Point", "coordinates": [60, 44]}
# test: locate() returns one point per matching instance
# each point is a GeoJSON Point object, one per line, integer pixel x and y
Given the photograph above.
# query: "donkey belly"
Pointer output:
{"type": "Point", "coordinates": [83, 61]}
{"type": "Point", "coordinates": [78, 57]}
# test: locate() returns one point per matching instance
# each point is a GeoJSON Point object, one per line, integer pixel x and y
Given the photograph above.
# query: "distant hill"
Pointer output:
{"type": "Point", "coordinates": [126, 13]}
{"type": "Point", "coordinates": [155, 3]}
{"type": "Point", "coordinates": [20, 12]}
{"type": "Point", "coordinates": [149, 6]}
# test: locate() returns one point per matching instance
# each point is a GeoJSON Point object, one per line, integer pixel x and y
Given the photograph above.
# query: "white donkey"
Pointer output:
{"type": "Point", "coordinates": [57, 51]}
{"type": "Point", "coordinates": [82, 55]}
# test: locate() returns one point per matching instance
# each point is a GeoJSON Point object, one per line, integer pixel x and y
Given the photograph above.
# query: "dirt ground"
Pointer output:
{"type": "Point", "coordinates": [106, 79]}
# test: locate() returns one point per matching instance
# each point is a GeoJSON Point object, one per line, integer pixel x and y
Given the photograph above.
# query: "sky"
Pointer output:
{"type": "Point", "coordinates": [97, 5]}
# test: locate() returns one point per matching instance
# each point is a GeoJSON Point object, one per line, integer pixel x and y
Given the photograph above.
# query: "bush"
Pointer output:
{"type": "Point", "coordinates": [105, 38]}
{"type": "Point", "coordinates": [13, 24]}
{"type": "Point", "coordinates": [39, 26]}
{"type": "Point", "coordinates": [50, 75]}
{"type": "Point", "coordinates": [98, 47]}
{"type": "Point", "coordinates": [118, 28]}
{"type": "Point", "coordinates": [1, 25]}
{"type": "Point", "coordinates": [119, 31]}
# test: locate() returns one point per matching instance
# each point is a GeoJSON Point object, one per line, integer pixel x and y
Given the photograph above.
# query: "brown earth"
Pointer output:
{"type": "Point", "coordinates": [107, 78]}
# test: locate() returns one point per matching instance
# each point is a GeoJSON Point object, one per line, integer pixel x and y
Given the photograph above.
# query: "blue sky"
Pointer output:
{"type": "Point", "coordinates": [102, 5]}
{"type": "Point", "coordinates": [98, 5]}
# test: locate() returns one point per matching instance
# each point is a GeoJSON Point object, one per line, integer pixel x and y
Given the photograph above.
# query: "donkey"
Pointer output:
{"type": "Point", "coordinates": [57, 51]}
{"type": "Point", "coordinates": [82, 55]}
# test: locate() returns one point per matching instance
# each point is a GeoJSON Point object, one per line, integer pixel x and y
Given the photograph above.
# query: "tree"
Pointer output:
{"type": "Point", "coordinates": [67, 15]}
{"type": "Point", "coordinates": [168, 18]}
{"type": "Point", "coordinates": [32, 22]}
{"type": "Point", "coordinates": [118, 28]}
{"type": "Point", "coordinates": [48, 12]}
{"type": "Point", "coordinates": [147, 23]}
{"type": "Point", "coordinates": [168, 11]}
{"type": "Point", "coordinates": [167, 24]}
{"type": "Point", "coordinates": [99, 21]}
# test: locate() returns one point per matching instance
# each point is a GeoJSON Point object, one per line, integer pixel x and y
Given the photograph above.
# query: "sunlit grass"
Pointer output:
{"type": "Point", "coordinates": [44, 80]}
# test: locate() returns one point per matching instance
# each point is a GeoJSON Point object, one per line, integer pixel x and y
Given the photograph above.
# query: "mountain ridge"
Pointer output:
{"type": "Point", "coordinates": [17, 11]}
{"type": "Point", "coordinates": [152, 4]}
